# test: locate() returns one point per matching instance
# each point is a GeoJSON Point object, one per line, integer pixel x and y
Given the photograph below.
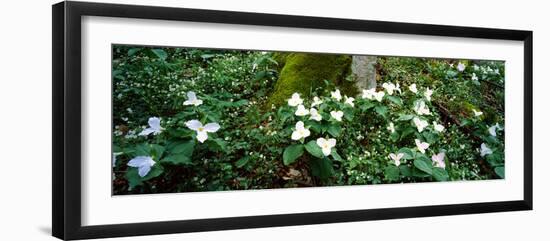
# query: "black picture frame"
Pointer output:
{"type": "Point", "coordinates": [66, 47]}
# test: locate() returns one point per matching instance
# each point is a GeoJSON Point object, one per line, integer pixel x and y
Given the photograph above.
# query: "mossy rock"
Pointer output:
{"type": "Point", "coordinates": [304, 72]}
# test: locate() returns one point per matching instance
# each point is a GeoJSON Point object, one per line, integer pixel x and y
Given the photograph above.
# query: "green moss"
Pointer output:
{"type": "Point", "coordinates": [304, 72]}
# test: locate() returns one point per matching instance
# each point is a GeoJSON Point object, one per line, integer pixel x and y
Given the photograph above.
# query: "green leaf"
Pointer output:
{"type": "Point", "coordinates": [135, 180]}
{"type": "Point", "coordinates": [348, 114]}
{"type": "Point", "coordinates": [292, 153]}
{"type": "Point", "coordinates": [314, 149]}
{"type": "Point", "coordinates": [407, 153]}
{"type": "Point", "coordinates": [366, 106]}
{"type": "Point", "coordinates": [395, 100]}
{"type": "Point", "coordinates": [157, 151]}
{"type": "Point", "coordinates": [336, 156]}
{"type": "Point", "coordinates": [394, 136]}
{"type": "Point", "coordinates": [391, 173]}
{"type": "Point", "coordinates": [440, 174]}
{"type": "Point", "coordinates": [322, 168]}
{"type": "Point", "coordinates": [381, 110]}
{"type": "Point", "coordinates": [160, 53]}
{"type": "Point", "coordinates": [403, 117]}
{"type": "Point", "coordinates": [500, 171]}
{"type": "Point", "coordinates": [405, 170]}
{"type": "Point", "coordinates": [177, 159]}
{"type": "Point", "coordinates": [334, 130]}
{"type": "Point", "coordinates": [407, 132]}
{"type": "Point", "coordinates": [241, 162]}
{"type": "Point", "coordinates": [422, 165]}
{"type": "Point", "coordinates": [133, 51]}
{"type": "Point", "coordinates": [185, 148]}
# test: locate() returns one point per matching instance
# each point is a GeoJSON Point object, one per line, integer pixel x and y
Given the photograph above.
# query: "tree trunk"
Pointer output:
{"type": "Point", "coordinates": [363, 69]}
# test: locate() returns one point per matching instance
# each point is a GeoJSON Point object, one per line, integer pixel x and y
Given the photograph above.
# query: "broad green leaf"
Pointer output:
{"type": "Point", "coordinates": [394, 136]}
{"type": "Point", "coordinates": [322, 168]}
{"type": "Point", "coordinates": [500, 171]}
{"type": "Point", "coordinates": [133, 51]}
{"type": "Point", "coordinates": [292, 153]}
{"type": "Point", "coordinates": [241, 162]}
{"type": "Point", "coordinates": [407, 153]}
{"type": "Point", "coordinates": [135, 180]}
{"type": "Point", "coordinates": [395, 100]}
{"type": "Point", "coordinates": [334, 130]}
{"type": "Point", "coordinates": [336, 156]}
{"type": "Point", "coordinates": [440, 174]}
{"type": "Point", "coordinates": [156, 151]}
{"type": "Point", "coordinates": [314, 149]}
{"type": "Point", "coordinates": [403, 117]}
{"type": "Point", "coordinates": [185, 148]}
{"type": "Point", "coordinates": [407, 132]}
{"type": "Point", "coordinates": [424, 166]}
{"type": "Point", "coordinates": [381, 110]}
{"type": "Point", "coordinates": [177, 159]}
{"type": "Point", "coordinates": [391, 173]}
{"type": "Point", "coordinates": [160, 53]}
{"type": "Point", "coordinates": [405, 170]}
{"type": "Point", "coordinates": [366, 106]}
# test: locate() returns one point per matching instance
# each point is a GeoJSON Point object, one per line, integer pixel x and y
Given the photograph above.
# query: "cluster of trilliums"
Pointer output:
{"type": "Point", "coordinates": [300, 132]}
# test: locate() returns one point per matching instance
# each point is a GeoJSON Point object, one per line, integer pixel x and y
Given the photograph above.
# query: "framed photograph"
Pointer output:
{"type": "Point", "coordinates": [170, 120]}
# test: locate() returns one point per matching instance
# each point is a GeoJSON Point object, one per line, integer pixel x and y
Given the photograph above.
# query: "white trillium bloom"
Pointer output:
{"type": "Point", "coordinates": [314, 114]}
{"type": "Point", "coordinates": [379, 95]}
{"type": "Point", "coordinates": [390, 87]}
{"type": "Point", "coordinates": [428, 94]}
{"type": "Point", "coordinates": [143, 163]}
{"type": "Point", "coordinates": [397, 87]}
{"type": "Point", "coordinates": [413, 89]}
{"type": "Point", "coordinates": [337, 115]}
{"type": "Point", "coordinates": [349, 101]}
{"type": "Point", "coordinates": [474, 77]}
{"type": "Point", "coordinates": [326, 145]}
{"type": "Point", "coordinates": [493, 130]}
{"type": "Point", "coordinates": [420, 124]}
{"type": "Point", "coordinates": [421, 109]}
{"type": "Point", "coordinates": [477, 113]}
{"type": "Point", "coordinates": [202, 131]}
{"type": "Point", "coordinates": [485, 150]}
{"type": "Point", "coordinates": [301, 111]}
{"type": "Point", "coordinates": [438, 127]}
{"type": "Point", "coordinates": [391, 127]}
{"type": "Point", "coordinates": [154, 127]}
{"type": "Point", "coordinates": [300, 131]}
{"type": "Point", "coordinates": [368, 94]}
{"type": "Point", "coordinates": [316, 101]}
{"type": "Point", "coordinates": [461, 67]}
{"type": "Point", "coordinates": [439, 160]}
{"type": "Point", "coordinates": [422, 146]}
{"type": "Point", "coordinates": [336, 95]}
{"type": "Point", "coordinates": [295, 100]}
{"type": "Point", "coordinates": [192, 99]}
{"type": "Point", "coordinates": [396, 158]}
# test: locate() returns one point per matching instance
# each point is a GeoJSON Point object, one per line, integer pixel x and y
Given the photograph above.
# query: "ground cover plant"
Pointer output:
{"type": "Point", "coordinates": [187, 120]}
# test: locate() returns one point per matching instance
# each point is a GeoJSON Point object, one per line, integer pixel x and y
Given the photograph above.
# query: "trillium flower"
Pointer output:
{"type": "Point", "coordinates": [477, 113]}
{"type": "Point", "coordinates": [202, 131]}
{"type": "Point", "coordinates": [396, 158]}
{"type": "Point", "coordinates": [326, 145]}
{"type": "Point", "coordinates": [192, 99]}
{"type": "Point", "coordinates": [438, 127]}
{"type": "Point", "coordinates": [315, 114]}
{"type": "Point", "coordinates": [349, 100]}
{"type": "Point", "coordinates": [397, 87]}
{"type": "Point", "coordinates": [336, 95]}
{"type": "Point", "coordinates": [390, 87]}
{"type": "Point", "coordinates": [391, 127]}
{"type": "Point", "coordinates": [379, 95]}
{"type": "Point", "coordinates": [368, 94]}
{"type": "Point", "coordinates": [337, 115]}
{"type": "Point", "coordinates": [461, 67]}
{"type": "Point", "coordinates": [413, 89]}
{"type": "Point", "coordinates": [143, 163]}
{"type": "Point", "coordinates": [493, 130]}
{"type": "Point", "coordinates": [474, 76]}
{"type": "Point", "coordinates": [428, 94]}
{"type": "Point", "coordinates": [154, 127]}
{"type": "Point", "coordinates": [295, 100]}
{"type": "Point", "coordinates": [438, 160]}
{"type": "Point", "coordinates": [421, 109]}
{"type": "Point", "coordinates": [422, 146]}
{"type": "Point", "coordinates": [300, 131]}
{"type": "Point", "coordinates": [420, 124]}
{"type": "Point", "coordinates": [301, 111]}
{"type": "Point", "coordinates": [485, 150]}
{"type": "Point", "coordinates": [316, 101]}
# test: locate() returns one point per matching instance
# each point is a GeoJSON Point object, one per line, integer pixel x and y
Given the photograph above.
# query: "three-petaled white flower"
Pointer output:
{"type": "Point", "coordinates": [314, 114]}
{"type": "Point", "coordinates": [143, 163]}
{"type": "Point", "coordinates": [368, 94]}
{"type": "Point", "coordinates": [349, 101]}
{"type": "Point", "coordinates": [474, 76]}
{"type": "Point", "coordinates": [428, 94]}
{"type": "Point", "coordinates": [413, 89]}
{"type": "Point", "coordinates": [438, 127]}
{"type": "Point", "coordinates": [439, 160]}
{"type": "Point", "coordinates": [461, 67]}
{"type": "Point", "coordinates": [300, 131]}
{"type": "Point", "coordinates": [316, 101]}
{"type": "Point", "coordinates": [390, 87]}
{"type": "Point", "coordinates": [477, 113]}
{"type": "Point", "coordinates": [202, 131]}
{"type": "Point", "coordinates": [420, 124]}
{"type": "Point", "coordinates": [192, 99]}
{"type": "Point", "coordinates": [301, 111]}
{"type": "Point", "coordinates": [396, 158]}
{"type": "Point", "coordinates": [422, 146]}
{"type": "Point", "coordinates": [154, 127]}
{"type": "Point", "coordinates": [493, 129]}
{"type": "Point", "coordinates": [391, 127]}
{"type": "Point", "coordinates": [421, 109]}
{"type": "Point", "coordinates": [336, 95]}
{"type": "Point", "coordinates": [337, 115]}
{"type": "Point", "coordinates": [295, 100]}
{"type": "Point", "coordinates": [379, 95]}
{"type": "Point", "coordinates": [326, 145]}
{"type": "Point", "coordinates": [485, 150]}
